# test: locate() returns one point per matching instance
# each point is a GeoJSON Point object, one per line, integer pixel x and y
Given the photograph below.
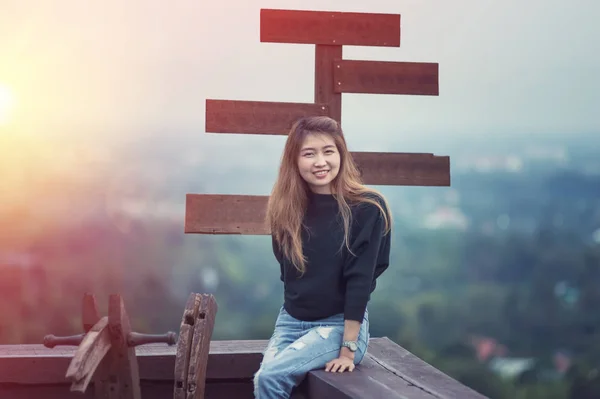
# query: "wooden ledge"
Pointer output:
{"type": "Point", "coordinates": [388, 371]}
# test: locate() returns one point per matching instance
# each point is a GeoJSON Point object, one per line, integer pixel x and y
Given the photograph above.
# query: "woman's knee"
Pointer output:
{"type": "Point", "coordinates": [269, 379]}
{"type": "Point", "coordinates": [360, 354]}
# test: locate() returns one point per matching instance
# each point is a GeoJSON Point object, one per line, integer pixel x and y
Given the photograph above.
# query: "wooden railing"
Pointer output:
{"type": "Point", "coordinates": [388, 371]}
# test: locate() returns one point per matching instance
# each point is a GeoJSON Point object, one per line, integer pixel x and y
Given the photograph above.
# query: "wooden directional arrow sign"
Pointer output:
{"type": "Point", "coordinates": [332, 28]}
{"type": "Point", "coordinates": [257, 117]}
{"type": "Point", "coordinates": [379, 77]}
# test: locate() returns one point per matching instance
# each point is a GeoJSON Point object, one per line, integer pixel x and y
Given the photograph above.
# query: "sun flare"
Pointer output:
{"type": "Point", "coordinates": [7, 102]}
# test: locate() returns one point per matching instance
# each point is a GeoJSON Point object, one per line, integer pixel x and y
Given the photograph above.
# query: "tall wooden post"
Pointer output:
{"type": "Point", "coordinates": [325, 57]}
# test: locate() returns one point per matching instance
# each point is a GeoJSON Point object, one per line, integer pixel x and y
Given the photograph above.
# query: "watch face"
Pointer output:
{"type": "Point", "coordinates": [351, 345]}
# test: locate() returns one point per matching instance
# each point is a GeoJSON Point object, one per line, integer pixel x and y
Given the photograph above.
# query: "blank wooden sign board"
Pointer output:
{"type": "Point", "coordinates": [328, 32]}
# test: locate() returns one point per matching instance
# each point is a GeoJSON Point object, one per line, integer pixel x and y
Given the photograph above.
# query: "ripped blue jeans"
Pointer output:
{"type": "Point", "coordinates": [298, 347]}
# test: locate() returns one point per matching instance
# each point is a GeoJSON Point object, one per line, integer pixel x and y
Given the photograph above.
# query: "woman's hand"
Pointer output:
{"type": "Point", "coordinates": [341, 364]}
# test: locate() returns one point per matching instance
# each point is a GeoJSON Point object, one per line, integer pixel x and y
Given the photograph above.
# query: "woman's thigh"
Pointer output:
{"type": "Point", "coordinates": [279, 341]}
{"type": "Point", "coordinates": [313, 347]}
{"type": "Point", "coordinates": [312, 351]}
{"type": "Point", "coordinates": [287, 330]}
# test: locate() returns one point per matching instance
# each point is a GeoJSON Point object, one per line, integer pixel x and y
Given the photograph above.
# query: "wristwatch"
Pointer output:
{"type": "Point", "coordinates": [352, 345]}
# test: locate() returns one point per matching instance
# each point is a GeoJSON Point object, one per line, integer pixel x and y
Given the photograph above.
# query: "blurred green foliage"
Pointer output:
{"type": "Point", "coordinates": [529, 293]}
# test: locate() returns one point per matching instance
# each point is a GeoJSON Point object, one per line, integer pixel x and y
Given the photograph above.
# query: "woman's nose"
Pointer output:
{"type": "Point", "coordinates": [320, 160]}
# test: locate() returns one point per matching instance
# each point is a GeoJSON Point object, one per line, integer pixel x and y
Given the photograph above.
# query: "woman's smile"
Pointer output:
{"type": "Point", "coordinates": [321, 174]}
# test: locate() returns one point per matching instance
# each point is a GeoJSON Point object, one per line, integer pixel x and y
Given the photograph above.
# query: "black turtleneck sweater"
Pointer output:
{"type": "Point", "coordinates": [335, 281]}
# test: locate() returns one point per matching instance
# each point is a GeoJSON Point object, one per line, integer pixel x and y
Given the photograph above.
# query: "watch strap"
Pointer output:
{"type": "Point", "coordinates": [352, 345]}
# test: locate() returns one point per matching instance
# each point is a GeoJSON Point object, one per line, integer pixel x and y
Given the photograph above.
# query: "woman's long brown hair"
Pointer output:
{"type": "Point", "coordinates": [289, 197]}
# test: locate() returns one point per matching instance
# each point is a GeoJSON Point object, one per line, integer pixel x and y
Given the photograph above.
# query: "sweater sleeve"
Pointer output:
{"type": "Point", "coordinates": [278, 255]}
{"type": "Point", "coordinates": [359, 271]}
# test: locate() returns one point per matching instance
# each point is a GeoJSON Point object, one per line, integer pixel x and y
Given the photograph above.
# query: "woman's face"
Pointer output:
{"type": "Point", "coordinates": [319, 162]}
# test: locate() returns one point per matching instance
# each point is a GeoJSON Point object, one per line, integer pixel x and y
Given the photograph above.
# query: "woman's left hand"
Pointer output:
{"type": "Point", "coordinates": [340, 364]}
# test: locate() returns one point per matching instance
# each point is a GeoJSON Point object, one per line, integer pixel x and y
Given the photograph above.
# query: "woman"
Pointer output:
{"type": "Point", "coordinates": [331, 237]}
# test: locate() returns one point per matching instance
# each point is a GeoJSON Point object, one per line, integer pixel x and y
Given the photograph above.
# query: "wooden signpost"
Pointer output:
{"type": "Point", "coordinates": [328, 32]}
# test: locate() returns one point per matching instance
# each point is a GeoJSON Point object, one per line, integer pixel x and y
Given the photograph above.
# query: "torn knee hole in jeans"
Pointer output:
{"type": "Point", "coordinates": [298, 345]}
{"type": "Point", "coordinates": [324, 331]}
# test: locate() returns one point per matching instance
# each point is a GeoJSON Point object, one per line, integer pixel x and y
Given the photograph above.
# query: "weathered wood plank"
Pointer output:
{"type": "Point", "coordinates": [226, 214]}
{"type": "Point", "coordinates": [123, 373]}
{"type": "Point", "coordinates": [414, 370]}
{"type": "Point", "coordinates": [257, 117]}
{"type": "Point", "coordinates": [324, 85]}
{"type": "Point", "coordinates": [368, 380]}
{"type": "Point", "coordinates": [89, 317]}
{"type": "Point", "coordinates": [203, 329]}
{"type": "Point", "coordinates": [403, 169]}
{"type": "Point", "coordinates": [387, 371]}
{"type": "Point", "coordinates": [150, 390]}
{"type": "Point", "coordinates": [318, 384]}
{"type": "Point", "coordinates": [184, 346]}
{"type": "Point", "coordinates": [326, 27]}
{"type": "Point", "coordinates": [384, 77]}
{"type": "Point", "coordinates": [17, 391]}
{"type": "Point", "coordinates": [36, 364]}
{"type": "Point", "coordinates": [89, 355]}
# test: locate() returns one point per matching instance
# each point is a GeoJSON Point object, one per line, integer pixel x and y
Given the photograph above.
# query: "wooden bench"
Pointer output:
{"type": "Point", "coordinates": [388, 372]}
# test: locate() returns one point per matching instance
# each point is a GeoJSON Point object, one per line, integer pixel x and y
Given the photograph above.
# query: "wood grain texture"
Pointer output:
{"type": "Point", "coordinates": [403, 169]}
{"type": "Point", "coordinates": [203, 329]}
{"type": "Point", "coordinates": [417, 372]}
{"type": "Point", "coordinates": [184, 346]}
{"type": "Point", "coordinates": [257, 117]}
{"type": "Point", "coordinates": [326, 27]}
{"type": "Point", "coordinates": [325, 92]}
{"type": "Point", "coordinates": [123, 373]}
{"type": "Point", "coordinates": [150, 390]}
{"type": "Point", "coordinates": [368, 380]}
{"type": "Point", "coordinates": [384, 77]}
{"type": "Point", "coordinates": [90, 353]}
{"type": "Point", "coordinates": [36, 364]}
{"type": "Point", "coordinates": [226, 214]}
{"type": "Point", "coordinates": [89, 317]}
{"type": "Point", "coordinates": [388, 371]}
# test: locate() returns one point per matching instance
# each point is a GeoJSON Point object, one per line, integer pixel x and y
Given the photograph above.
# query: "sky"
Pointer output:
{"type": "Point", "coordinates": [121, 68]}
